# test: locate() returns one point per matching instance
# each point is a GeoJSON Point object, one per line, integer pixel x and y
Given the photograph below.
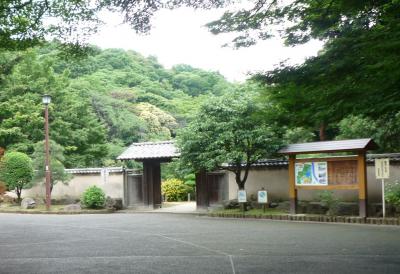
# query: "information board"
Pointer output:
{"type": "Point", "coordinates": [311, 174]}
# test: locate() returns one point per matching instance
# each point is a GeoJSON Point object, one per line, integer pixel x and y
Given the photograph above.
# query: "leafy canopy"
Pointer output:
{"type": "Point", "coordinates": [27, 23]}
{"type": "Point", "coordinates": [227, 135]}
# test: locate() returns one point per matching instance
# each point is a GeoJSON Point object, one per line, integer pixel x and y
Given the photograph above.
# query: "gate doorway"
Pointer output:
{"type": "Point", "coordinates": [132, 189]}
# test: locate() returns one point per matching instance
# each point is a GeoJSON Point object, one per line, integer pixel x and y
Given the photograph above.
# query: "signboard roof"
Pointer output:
{"type": "Point", "coordinates": [330, 146]}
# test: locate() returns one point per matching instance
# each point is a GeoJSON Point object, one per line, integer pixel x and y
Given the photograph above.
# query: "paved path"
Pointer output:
{"type": "Point", "coordinates": [182, 243]}
{"type": "Point", "coordinates": [183, 207]}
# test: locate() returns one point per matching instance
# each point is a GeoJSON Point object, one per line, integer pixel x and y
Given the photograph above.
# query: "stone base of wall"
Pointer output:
{"type": "Point", "coordinates": [313, 218]}
{"type": "Point", "coordinates": [309, 207]}
{"type": "Point", "coordinates": [343, 209]}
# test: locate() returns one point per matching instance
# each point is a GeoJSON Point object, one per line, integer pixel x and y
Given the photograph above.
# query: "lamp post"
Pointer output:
{"type": "Point", "coordinates": [46, 101]}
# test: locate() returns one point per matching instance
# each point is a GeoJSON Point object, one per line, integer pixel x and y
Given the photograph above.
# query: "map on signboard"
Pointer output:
{"type": "Point", "coordinates": [311, 174]}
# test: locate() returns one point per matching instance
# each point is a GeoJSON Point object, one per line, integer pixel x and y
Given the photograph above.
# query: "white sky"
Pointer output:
{"type": "Point", "coordinates": [179, 37]}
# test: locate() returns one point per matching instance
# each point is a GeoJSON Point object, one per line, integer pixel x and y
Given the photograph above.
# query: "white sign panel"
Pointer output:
{"type": "Point", "coordinates": [262, 197]}
{"type": "Point", "coordinates": [382, 168]}
{"type": "Point", "coordinates": [311, 174]}
{"type": "Point", "coordinates": [104, 174]}
{"type": "Point", "coordinates": [242, 196]}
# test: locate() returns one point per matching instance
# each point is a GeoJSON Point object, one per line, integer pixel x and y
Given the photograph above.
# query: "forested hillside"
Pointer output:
{"type": "Point", "coordinates": [101, 103]}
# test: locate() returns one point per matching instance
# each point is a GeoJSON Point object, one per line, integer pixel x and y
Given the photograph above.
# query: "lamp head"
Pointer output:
{"type": "Point", "coordinates": [46, 99]}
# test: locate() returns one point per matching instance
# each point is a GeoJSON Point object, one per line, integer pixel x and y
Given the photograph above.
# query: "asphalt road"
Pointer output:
{"type": "Point", "coordinates": [168, 243]}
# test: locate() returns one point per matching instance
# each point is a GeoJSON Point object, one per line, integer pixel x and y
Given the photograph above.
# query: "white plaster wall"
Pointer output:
{"type": "Point", "coordinates": [79, 183]}
{"type": "Point", "coordinates": [275, 181]}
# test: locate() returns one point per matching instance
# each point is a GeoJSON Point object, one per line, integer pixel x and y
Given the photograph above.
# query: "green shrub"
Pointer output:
{"type": "Point", "coordinates": [392, 193]}
{"type": "Point", "coordinates": [16, 171]}
{"type": "Point", "coordinates": [175, 190]}
{"type": "Point", "coordinates": [330, 201]}
{"type": "Point", "coordinates": [190, 180]}
{"type": "Point", "coordinates": [93, 197]}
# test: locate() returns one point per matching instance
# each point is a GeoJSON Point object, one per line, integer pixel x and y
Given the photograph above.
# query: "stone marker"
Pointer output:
{"type": "Point", "coordinates": [28, 203]}
{"type": "Point", "coordinates": [113, 203]}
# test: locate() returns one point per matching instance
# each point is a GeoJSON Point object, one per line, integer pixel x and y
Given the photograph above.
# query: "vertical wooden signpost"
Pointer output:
{"type": "Point", "coordinates": [382, 172]}
{"type": "Point", "coordinates": [329, 173]}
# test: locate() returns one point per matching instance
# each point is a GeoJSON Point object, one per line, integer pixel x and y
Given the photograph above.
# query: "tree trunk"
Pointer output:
{"type": "Point", "coordinates": [240, 184]}
{"type": "Point", "coordinates": [19, 190]}
{"type": "Point", "coordinates": [322, 129]}
{"type": "Point", "coordinates": [238, 180]}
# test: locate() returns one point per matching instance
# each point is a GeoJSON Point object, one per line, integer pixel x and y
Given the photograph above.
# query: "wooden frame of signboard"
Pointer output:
{"type": "Point", "coordinates": [344, 172]}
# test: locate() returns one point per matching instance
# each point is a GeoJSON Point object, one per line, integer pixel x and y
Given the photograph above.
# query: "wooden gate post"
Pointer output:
{"type": "Point", "coordinates": [125, 200]}
{"type": "Point", "coordinates": [157, 200]}
{"type": "Point", "coordinates": [146, 179]}
{"type": "Point", "coordinates": [202, 190]}
{"type": "Point", "coordinates": [151, 184]}
{"type": "Point", "coordinates": [362, 185]}
{"type": "Point", "coordinates": [292, 185]}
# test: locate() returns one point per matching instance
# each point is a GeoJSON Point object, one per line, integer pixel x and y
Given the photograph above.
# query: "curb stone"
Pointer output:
{"type": "Point", "coordinates": [313, 218]}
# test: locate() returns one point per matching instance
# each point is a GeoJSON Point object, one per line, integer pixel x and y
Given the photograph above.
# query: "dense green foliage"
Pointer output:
{"type": "Point", "coordinates": [100, 104]}
{"type": "Point", "coordinates": [227, 131]}
{"type": "Point", "coordinates": [176, 190]}
{"type": "Point", "coordinates": [93, 197]}
{"type": "Point", "coordinates": [392, 193]}
{"type": "Point", "coordinates": [301, 20]}
{"type": "Point", "coordinates": [16, 171]}
{"type": "Point", "coordinates": [111, 98]}
{"type": "Point", "coordinates": [355, 76]}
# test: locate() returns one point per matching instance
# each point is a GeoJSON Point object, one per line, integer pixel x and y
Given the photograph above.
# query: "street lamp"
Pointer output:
{"type": "Point", "coordinates": [46, 99]}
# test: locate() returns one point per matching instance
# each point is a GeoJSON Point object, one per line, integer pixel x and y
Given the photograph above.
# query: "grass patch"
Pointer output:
{"type": "Point", "coordinates": [17, 208]}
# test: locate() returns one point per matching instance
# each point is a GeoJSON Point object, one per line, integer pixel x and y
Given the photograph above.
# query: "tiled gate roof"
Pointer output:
{"type": "Point", "coordinates": [150, 150]}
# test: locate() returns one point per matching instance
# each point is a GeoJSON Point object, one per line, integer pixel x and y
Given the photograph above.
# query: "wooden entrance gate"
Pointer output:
{"type": "Point", "coordinates": [145, 189]}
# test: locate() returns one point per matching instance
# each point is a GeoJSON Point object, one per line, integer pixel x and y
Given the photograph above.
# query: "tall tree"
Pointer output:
{"type": "Point", "coordinates": [73, 124]}
{"type": "Point", "coordinates": [226, 135]}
